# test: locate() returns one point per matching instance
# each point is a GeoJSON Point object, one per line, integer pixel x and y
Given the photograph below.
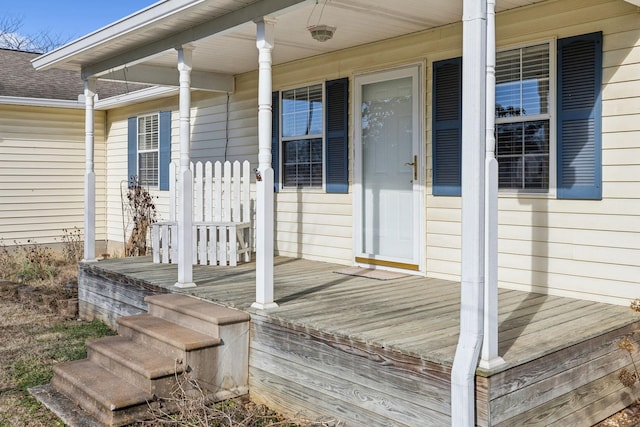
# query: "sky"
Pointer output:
{"type": "Point", "coordinates": [68, 19]}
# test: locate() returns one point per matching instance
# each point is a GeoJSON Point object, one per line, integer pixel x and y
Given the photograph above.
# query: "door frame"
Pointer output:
{"type": "Point", "coordinates": [417, 71]}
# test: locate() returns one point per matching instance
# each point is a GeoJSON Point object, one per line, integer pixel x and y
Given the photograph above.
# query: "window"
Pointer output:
{"type": "Point", "coordinates": [309, 144]}
{"type": "Point", "coordinates": [525, 114]}
{"type": "Point", "coordinates": [523, 118]}
{"type": "Point", "coordinates": [149, 149]}
{"type": "Point", "coordinates": [302, 137]}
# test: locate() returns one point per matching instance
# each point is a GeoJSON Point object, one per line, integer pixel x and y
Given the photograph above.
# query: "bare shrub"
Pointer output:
{"type": "Point", "coordinates": [143, 213]}
{"type": "Point", "coordinates": [72, 244]}
{"type": "Point", "coordinates": [192, 407]}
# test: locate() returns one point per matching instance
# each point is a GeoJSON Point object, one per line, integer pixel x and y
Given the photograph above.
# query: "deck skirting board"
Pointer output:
{"type": "Point", "coordinates": [368, 387]}
{"type": "Point", "coordinates": [576, 386]}
{"type": "Point", "coordinates": [107, 297]}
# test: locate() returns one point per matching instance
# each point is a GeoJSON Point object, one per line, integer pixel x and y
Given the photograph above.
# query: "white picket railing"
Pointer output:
{"type": "Point", "coordinates": [221, 215]}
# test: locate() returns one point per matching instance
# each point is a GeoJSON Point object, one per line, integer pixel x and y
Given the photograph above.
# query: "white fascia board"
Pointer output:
{"type": "Point", "coordinates": [135, 97]}
{"type": "Point", "coordinates": [167, 76]}
{"type": "Point", "coordinates": [40, 102]}
{"type": "Point", "coordinates": [634, 2]}
{"type": "Point", "coordinates": [142, 18]}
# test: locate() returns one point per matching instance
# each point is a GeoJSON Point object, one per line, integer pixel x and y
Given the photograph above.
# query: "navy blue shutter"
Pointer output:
{"type": "Point", "coordinates": [580, 117]}
{"type": "Point", "coordinates": [447, 127]}
{"type": "Point", "coordinates": [337, 136]}
{"type": "Point", "coordinates": [275, 139]}
{"type": "Point", "coordinates": [165, 149]}
{"type": "Point", "coordinates": [132, 150]}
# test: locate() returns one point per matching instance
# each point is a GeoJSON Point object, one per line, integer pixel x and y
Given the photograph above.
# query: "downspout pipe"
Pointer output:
{"type": "Point", "coordinates": [474, 48]}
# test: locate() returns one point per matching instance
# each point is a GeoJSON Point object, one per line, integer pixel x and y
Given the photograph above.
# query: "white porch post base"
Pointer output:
{"type": "Point", "coordinates": [185, 285]}
{"type": "Point", "coordinates": [261, 306]}
{"type": "Point", "coordinates": [89, 217]}
{"type": "Point", "coordinates": [264, 239]}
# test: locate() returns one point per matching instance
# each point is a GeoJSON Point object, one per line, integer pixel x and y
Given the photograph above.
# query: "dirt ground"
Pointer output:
{"type": "Point", "coordinates": [28, 321]}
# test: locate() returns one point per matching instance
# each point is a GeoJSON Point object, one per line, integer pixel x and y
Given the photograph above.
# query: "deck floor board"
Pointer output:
{"type": "Point", "coordinates": [416, 313]}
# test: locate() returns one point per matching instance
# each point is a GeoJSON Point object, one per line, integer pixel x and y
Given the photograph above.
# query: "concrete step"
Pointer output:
{"type": "Point", "coordinates": [165, 336]}
{"type": "Point", "coordinates": [201, 316]}
{"type": "Point", "coordinates": [144, 367]}
{"type": "Point", "coordinates": [111, 400]}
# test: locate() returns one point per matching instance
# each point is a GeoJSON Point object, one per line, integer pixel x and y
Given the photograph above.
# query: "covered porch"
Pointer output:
{"type": "Point", "coordinates": [379, 352]}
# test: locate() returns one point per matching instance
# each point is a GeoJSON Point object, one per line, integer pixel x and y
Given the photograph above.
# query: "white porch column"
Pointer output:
{"type": "Point", "coordinates": [185, 202]}
{"type": "Point", "coordinates": [264, 174]}
{"type": "Point", "coordinates": [489, 357]}
{"type": "Point", "coordinates": [90, 174]}
{"type": "Point", "coordinates": [474, 47]}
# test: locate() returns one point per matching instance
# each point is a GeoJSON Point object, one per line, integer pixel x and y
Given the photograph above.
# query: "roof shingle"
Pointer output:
{"type": "Point", "coordinates": [18, 78]}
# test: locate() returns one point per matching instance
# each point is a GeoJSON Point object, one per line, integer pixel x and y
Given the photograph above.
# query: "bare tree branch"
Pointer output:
{"type": "Point", "coordinates": [12, 38]}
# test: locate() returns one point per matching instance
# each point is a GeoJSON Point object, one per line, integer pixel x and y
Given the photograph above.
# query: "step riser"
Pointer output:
{"type": "Point", "coordinates": [161, 387]}
{"type": "Point", "coordinates": [149, 341]}
{"type": "Point", "coordinates": [97, 410]}
{"type": "Point", "coordinates": [203, 362]}
{"type": "Point", "coordinates": [185, 320]}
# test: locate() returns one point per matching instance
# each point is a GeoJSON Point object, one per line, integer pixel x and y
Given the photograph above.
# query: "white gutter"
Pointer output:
{"type": "Point", "coordinates": [102, 104]}
{"type": "Point", "coordinates": [41, 102]}
{"type": "Point", "coordinates": [474, 48]}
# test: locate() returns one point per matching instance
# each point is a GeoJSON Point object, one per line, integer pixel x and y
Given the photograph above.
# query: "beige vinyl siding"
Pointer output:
{"type": "Point", "coordinates": [576, 248]}
{"type": "Point", "coordinates": [42, 164]}
{"type": "Point", "coordinates": [584, 249]}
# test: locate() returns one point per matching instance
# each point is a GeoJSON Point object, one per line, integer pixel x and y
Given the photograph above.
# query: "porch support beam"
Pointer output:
{"type": "Point", "coordinates": [474, 48]}
{"type": "Point", "coordinates": [264, 173]}
{"type": "Point", "coordinates": [489, 358]}
{"type": "Point", "coordinates": [165, 76]}
{"type": "Point", "coordinates": [90, 174]}
{"type": "Point", "coordinates": [185, 182]}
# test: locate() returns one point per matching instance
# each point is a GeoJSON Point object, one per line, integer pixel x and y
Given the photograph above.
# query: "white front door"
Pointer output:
{"type": "Point", "coordinates": [388, 135]}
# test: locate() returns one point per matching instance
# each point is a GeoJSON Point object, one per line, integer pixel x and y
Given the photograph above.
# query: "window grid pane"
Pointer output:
{"type": "Point", "coordinates": [522, 150]}
{"type": "Point", "coordinates": [148, 144]}
{"type": "Point", "coordinates": [302, 112]}
{"type": "Point", "coordinates": [148, 169]}
{"type": "Point", "coordinates": [522, 145]}
{"type": "Point", "coordinates": [302, 163]}
{"type": "Point", "coordinates": [302, 145]}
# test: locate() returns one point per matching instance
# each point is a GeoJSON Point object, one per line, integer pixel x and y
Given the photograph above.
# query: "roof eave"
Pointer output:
{"type": "Point", "coordinates": [130, 23]}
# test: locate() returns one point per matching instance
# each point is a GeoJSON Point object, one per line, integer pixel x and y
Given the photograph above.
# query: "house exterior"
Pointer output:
{"type": "Point", "coordinates": [369, 138]}
{"type": "Point", "coordinates": [42, 151]}
{"type": "Point", "coordinates": [580, 245]}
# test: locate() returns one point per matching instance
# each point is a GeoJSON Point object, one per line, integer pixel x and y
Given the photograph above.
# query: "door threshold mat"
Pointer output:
{"type": "Point", "coordinates": [371, 273]}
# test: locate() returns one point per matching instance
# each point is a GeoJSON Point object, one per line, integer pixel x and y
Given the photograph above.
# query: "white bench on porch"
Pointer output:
{"type": "Point", "coordinates": [221, 216]}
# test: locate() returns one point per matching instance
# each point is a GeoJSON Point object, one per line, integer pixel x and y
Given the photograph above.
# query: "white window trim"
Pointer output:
{"type": "Point", "coordinates": [281, 139]}
{"type": "Point", "coordinates": [552, 116]}
{"type": "Point", "coordinates": [138, 151]}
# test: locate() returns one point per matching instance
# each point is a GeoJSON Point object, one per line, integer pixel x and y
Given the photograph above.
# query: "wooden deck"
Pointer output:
{"type": "Point", "coordinates": [379, 352]}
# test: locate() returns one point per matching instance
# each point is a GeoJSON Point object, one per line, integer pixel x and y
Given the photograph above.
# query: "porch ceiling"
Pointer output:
{"type": "Point", "coordinates": [223, 34]}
